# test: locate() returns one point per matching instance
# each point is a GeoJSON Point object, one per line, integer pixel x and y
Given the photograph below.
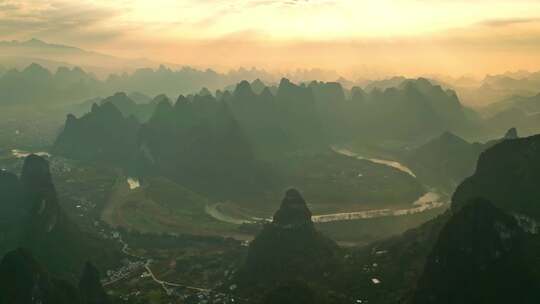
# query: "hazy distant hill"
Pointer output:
{"type": "Point", "coordinates": [53, 85]}
{"type": "Point", "coordinates": [445, 161]}
{"type": "Point", "coordinates": [259, 115]}
{"type": "Point", "coordinates": [36, 85]}
{"type": "Point", "coordinates": [528, 104]}
{"type": "Point", "coordinates": [128, 107]}
{"type": "Point", "coordinates": [415, 109]}
{"type": "Point", "coordinates": [521, 111]}
{"type": "Point", "coordinates": [312, 113]}
{"type": "Point", "coordinates": [200, 144]}
{"type": "Point", "coordinates": [22, 53]}
{"type": "Point", "coordinates": [104, 133]}
{"type": "Point", "coordinates": [180, 80]}
{"type": "Point", "coordinates": [494, 89]}
{"type": "Point", "coordinates": [241, 144]}
{"type": "Point", "coordinates": [294, 117]}
{"type": "Point", "coordinates": [325, 112]}
{"type": "Point", "coordinates": [384, 84]}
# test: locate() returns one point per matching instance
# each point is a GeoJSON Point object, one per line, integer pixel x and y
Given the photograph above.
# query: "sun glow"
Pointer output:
{"type": "Point", "coordinates": [318, 19]}
{"type": "Point", "coordinates": [408, 35]}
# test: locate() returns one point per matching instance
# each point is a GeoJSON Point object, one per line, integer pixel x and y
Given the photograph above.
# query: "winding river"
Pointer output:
{"type": "Point", "coordinates": [430, 200]}
{"type": "Point", "coordinates": [22, 154]}
{"type": "Point", "coordinates": [389, 163]}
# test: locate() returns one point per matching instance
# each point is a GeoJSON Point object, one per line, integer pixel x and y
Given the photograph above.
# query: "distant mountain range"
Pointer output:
{"type": "Point", "coordinates": [201, 140]}
{"type": "Point", "coordinates": [19, 54]}
{"type": "Point", "coordinates": [71, 85]}
{"type": "Point", "coordinates": [476, 93]}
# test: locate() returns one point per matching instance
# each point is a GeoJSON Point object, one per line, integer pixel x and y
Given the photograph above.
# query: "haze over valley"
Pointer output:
{"type": "Point", "coordinates": [269, 152]}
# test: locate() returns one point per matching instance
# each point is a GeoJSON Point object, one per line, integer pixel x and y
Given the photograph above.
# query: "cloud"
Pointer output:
{"type": "Point", "coordinates": [8, 6]}
{"type": "Point", "coordinates": [331, 33]}
{"type": "Point", "coordinates": [509, 22]}
{"type": "Point", "coordinates": [57, 20]}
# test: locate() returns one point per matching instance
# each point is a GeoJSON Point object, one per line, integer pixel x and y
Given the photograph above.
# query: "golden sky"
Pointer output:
{"type": "Point", "coordinates": [390, 36]}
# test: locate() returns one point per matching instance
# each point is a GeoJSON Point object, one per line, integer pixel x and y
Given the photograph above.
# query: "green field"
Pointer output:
{"type": "Point", "coordinates": [331, 183]}
{"type": "Point", "coordinates": [162, 206]}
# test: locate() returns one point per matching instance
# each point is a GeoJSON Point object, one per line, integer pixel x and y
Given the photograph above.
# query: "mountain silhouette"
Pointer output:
{"type": "Point", "coordinates": [482, 255]}
{"type": "Point", "coordinates": [64, 85]}
{"type": "Point", "coordinates": [260, 118]}
{"type": "Point", "coordinates": [507, 175]}
{"type": "Point", "coordinates": [482, 250]}
{"type": "Point", "coordinates": [128, 107]}
{"type": "Point", "coordinates": [288, 249]}
{"type": "Point", "coordinates": [445, 161]}
{"type": "Point", "coordinates": [199, 143]}
{"type": "Point", "coordinates": [45, 230]}
{"type": "Point", "coordinates": [24, 280]}
{"type": "Point", "coordinates": [102, 134]}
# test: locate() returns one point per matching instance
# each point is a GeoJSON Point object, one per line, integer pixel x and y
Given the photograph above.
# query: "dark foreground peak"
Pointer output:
{"type": "Point", "coordinates": [288, 249]}
{"type": "Point", "coordinates": [482, 255]}
{"type": "Point", "coordinates": [293, 210]}
{"type": "Point", "coordinates": [90, 287]}
{"type": "Point", "coordinates": [35, 171]}
{"type": "Point", "coordinates": [24, 281]}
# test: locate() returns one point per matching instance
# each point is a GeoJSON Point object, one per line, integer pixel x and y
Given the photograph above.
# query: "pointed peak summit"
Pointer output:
{"type": "Point", "coordinates": [243, 90]}
{"type": "Point", "coordinates": [257, 82]}
{"type": "Point", "coordinates": [293, 210]}
{"type": "Point", "coordinates": [95, 107]}
{"type": "Point", "coordinates": [163, 106]}
{"type": "Point", "coordinates": [36, 70]}
{"type": "Point", "coordinates": [451, 137]}
{"type": "Point", "coordinates": [205, 92]}
{"type": "Point", "coordinates": [284, 82]}
{"type": "Point", "coordinates": [512, 133]}
{"type": "Point", "coordinates": [161, 98]}
{"type": "Point", "coordinates": [119, 99]}
{"type": "Point", "coordinates": [120, 95]}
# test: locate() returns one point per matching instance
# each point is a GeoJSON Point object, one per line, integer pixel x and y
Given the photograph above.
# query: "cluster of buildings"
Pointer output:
{"type": "Point", "coordinates": [127, 269]}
